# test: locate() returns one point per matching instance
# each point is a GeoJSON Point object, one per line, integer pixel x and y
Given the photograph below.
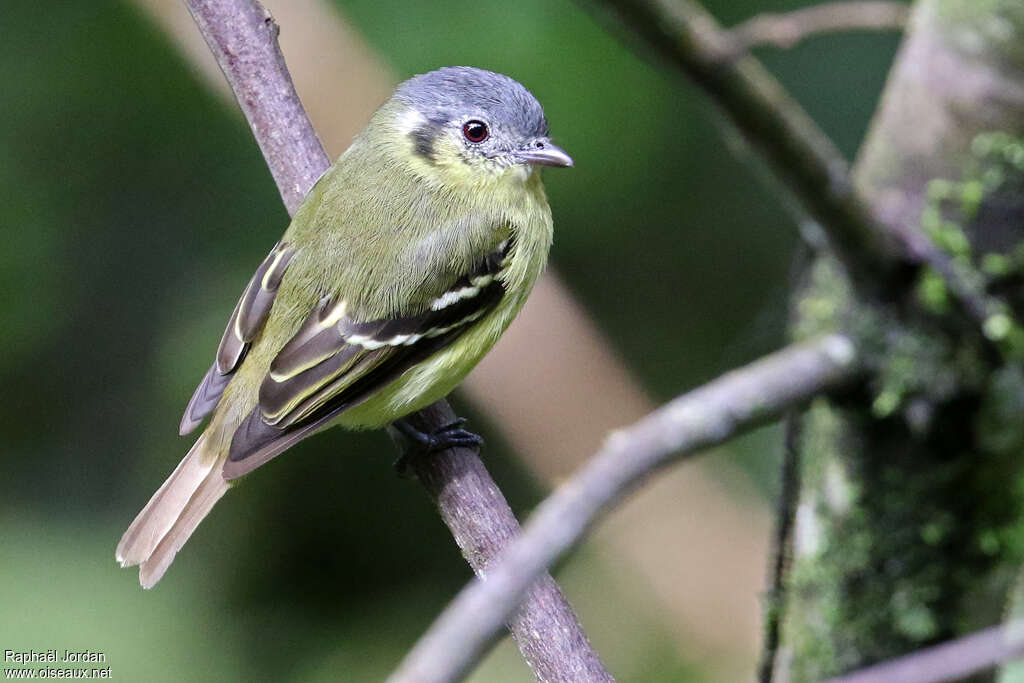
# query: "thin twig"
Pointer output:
{"type": "Point", "coordinates": [799, 152]}
{"type": "Point", "coordinates": [786, 29]}
{"type": "Point", "coordinates": [243, 38]}
{"type": "Point", "coordinates": [878, 256]}
{"type": "Point", "coordinates": [733, 403]}
{"type": "Point", "coordinates": [789, 496]}
{"type": "Point", "coordinates": [950, 661]}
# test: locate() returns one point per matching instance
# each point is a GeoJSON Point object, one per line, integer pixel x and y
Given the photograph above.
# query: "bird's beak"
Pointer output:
{"type": "Point", "coordinates": [543, 153]}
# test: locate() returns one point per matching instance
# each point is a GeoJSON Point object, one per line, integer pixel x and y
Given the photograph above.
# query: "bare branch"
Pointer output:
{"type": "Point", "coordinates": [785, 523]}
{"type": "Point", "coordinates": [549, 636]}
{"type": "Point", "coordinates": [243, 38]}
{"type": "Point", "coordinates": [786, 29]}
{"type": "Point", "coordinates": [876, 254]}
{"type": "Point", "coordinates": [950, 661]}
{"type": "Point", "coordinates": [798, 151]}
{"type": "Point", "coordinates": [733, 403]}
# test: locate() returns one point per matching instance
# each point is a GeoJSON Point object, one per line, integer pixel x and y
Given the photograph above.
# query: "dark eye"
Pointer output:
{"type": "Point", "coordinates": [475, 131]}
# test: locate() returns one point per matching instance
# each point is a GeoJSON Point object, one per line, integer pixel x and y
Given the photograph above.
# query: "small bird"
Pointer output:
{"type": "Point", "coordinates": [402, 267]}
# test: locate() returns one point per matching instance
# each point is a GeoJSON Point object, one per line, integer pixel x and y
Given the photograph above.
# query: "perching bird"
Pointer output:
{"type": "Point", "coordinates": [399, 271]}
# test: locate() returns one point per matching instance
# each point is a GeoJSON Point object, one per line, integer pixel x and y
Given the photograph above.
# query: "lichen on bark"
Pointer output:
{"type": "Point", "coordinates": [910, 525]}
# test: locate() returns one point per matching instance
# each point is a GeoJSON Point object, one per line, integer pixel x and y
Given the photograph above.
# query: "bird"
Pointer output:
{"type": "Point", "coordinates": [399, 271]}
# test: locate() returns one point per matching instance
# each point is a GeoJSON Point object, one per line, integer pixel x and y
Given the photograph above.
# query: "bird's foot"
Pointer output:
{"type": "Point", "coordinates": [418, 443]}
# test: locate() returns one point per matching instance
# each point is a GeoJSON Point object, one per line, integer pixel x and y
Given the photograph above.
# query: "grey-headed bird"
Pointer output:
{"type": "Point", "coordinates": [400, 270]}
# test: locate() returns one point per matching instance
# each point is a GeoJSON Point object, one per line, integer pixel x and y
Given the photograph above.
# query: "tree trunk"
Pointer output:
{"type": "Point", "coordinates": [909, 528]}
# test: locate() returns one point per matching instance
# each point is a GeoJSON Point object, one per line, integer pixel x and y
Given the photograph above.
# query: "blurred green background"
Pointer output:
{"type": "Point", "coordinates": [135, 206]}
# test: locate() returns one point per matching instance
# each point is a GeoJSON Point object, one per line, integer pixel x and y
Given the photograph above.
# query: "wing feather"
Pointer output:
{"type": "Point", "coordinates": [256, 442]}
{"type": "Point", "coordinates": [253, 308]}
{"type": "Point", "coordinates": [334, 361]}
{"type": "Point", "coordinates": [245, 324]}
{"type": "Point", "coordinates": [204, 399]}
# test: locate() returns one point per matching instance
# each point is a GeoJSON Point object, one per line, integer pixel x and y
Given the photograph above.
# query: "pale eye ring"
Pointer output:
{"type": "Point", "coordinates": [475, 131]}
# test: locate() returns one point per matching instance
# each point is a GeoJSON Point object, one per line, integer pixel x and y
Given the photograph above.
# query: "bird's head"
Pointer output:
{"type": "Point", "coordinates": [472, 125]}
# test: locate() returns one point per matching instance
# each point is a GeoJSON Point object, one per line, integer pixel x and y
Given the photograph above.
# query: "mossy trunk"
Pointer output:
{"type": "Point", "coordinates": [909, 528]}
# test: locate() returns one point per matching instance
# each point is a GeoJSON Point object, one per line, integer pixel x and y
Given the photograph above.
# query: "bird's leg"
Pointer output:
{"type": "Point", "coordinates": [415, 442]}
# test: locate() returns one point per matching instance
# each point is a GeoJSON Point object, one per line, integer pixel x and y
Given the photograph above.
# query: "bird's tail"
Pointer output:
{"type": "Point", "coordinates": [174, 512]}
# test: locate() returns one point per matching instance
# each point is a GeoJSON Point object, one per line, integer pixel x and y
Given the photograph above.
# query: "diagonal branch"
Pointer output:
{"type": "Point", "coordinates": [786, 29]}
{"type": "Point", "coordinates": [950, 661]}
{"type": "Point", "coordinates": [243, 38]}
{"type": "Point", "coordinates": [877, 255]}
{"type": "Point", "coordinates": [549, 636]}
{"type": "Point", "coordinates": [797, 150]}
{"type": "Point", "coordinates": [710, 415]}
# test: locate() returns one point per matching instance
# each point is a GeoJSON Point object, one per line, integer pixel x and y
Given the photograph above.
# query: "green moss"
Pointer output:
{"type": "Point", "coordinates": [914, 618]}
{"type": "Point", "coordinates": [909, 522]}
{"type": "Point", "coordinates": [936, 530]}
{"type": "Point", "coordinates": [947, 235]}
{"type": "Point", "coordinates": [992, 27]}
{"type": "Point", "coordinates": [996, 265]}
{"type": "Point", "coordinates": [1000, 422]}
{"type": "Point", "coordinates": [910, 525]}
{"type": "Point", "coordinates": [923, 543]}
{"type": "Point", "coordinates": [932, 292]}
{"type": "Point", "coordinates": [823, 302]}
{"type": "Point", "coordinates": [995, 169]}
{"type": "Point", "coordinates": [912, 361]}
{"type": "Point", "coordinates": [997, 158]}
{"type": "Point", "coordinates": [998, 326]}
{"type": "Point", "coordinates": [996, 146]}
{"type": "Point", "coordinates": [891, 568]}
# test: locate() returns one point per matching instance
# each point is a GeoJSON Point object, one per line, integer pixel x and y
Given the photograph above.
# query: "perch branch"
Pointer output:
{"type": "Point", "coordinates": [546, 630]}
{"type": "Point", "coordinates": [952, 661]}
{"type": "Point", "coordinates": [243, 38]}
{"type": "Point", "coordinates": [786, 29]}
{"type": "Point", "coordinates": [733, 403]}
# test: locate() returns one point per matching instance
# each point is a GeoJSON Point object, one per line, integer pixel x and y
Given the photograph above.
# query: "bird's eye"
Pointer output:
{"type": "Point", "coordinates": [475, 131]}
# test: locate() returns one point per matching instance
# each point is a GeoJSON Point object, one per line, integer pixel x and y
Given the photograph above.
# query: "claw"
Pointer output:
{"type": "Point", "coordinates": [451, 435]}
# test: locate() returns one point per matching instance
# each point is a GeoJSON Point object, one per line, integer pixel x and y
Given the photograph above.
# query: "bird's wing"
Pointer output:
{"type": "Point", "coordinates": [246, 322]}
{"type": "Point", "coordinates": [335, 362]}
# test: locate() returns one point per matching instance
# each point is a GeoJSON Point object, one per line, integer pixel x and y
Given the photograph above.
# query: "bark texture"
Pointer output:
{"type": "Point", "coordinates": [909, 525]}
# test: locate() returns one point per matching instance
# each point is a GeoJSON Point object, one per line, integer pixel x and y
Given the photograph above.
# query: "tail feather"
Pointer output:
{"type": "Point", "coordinates": [208, 493]}
{"type": "Point", "coordinates": [173, 513]}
